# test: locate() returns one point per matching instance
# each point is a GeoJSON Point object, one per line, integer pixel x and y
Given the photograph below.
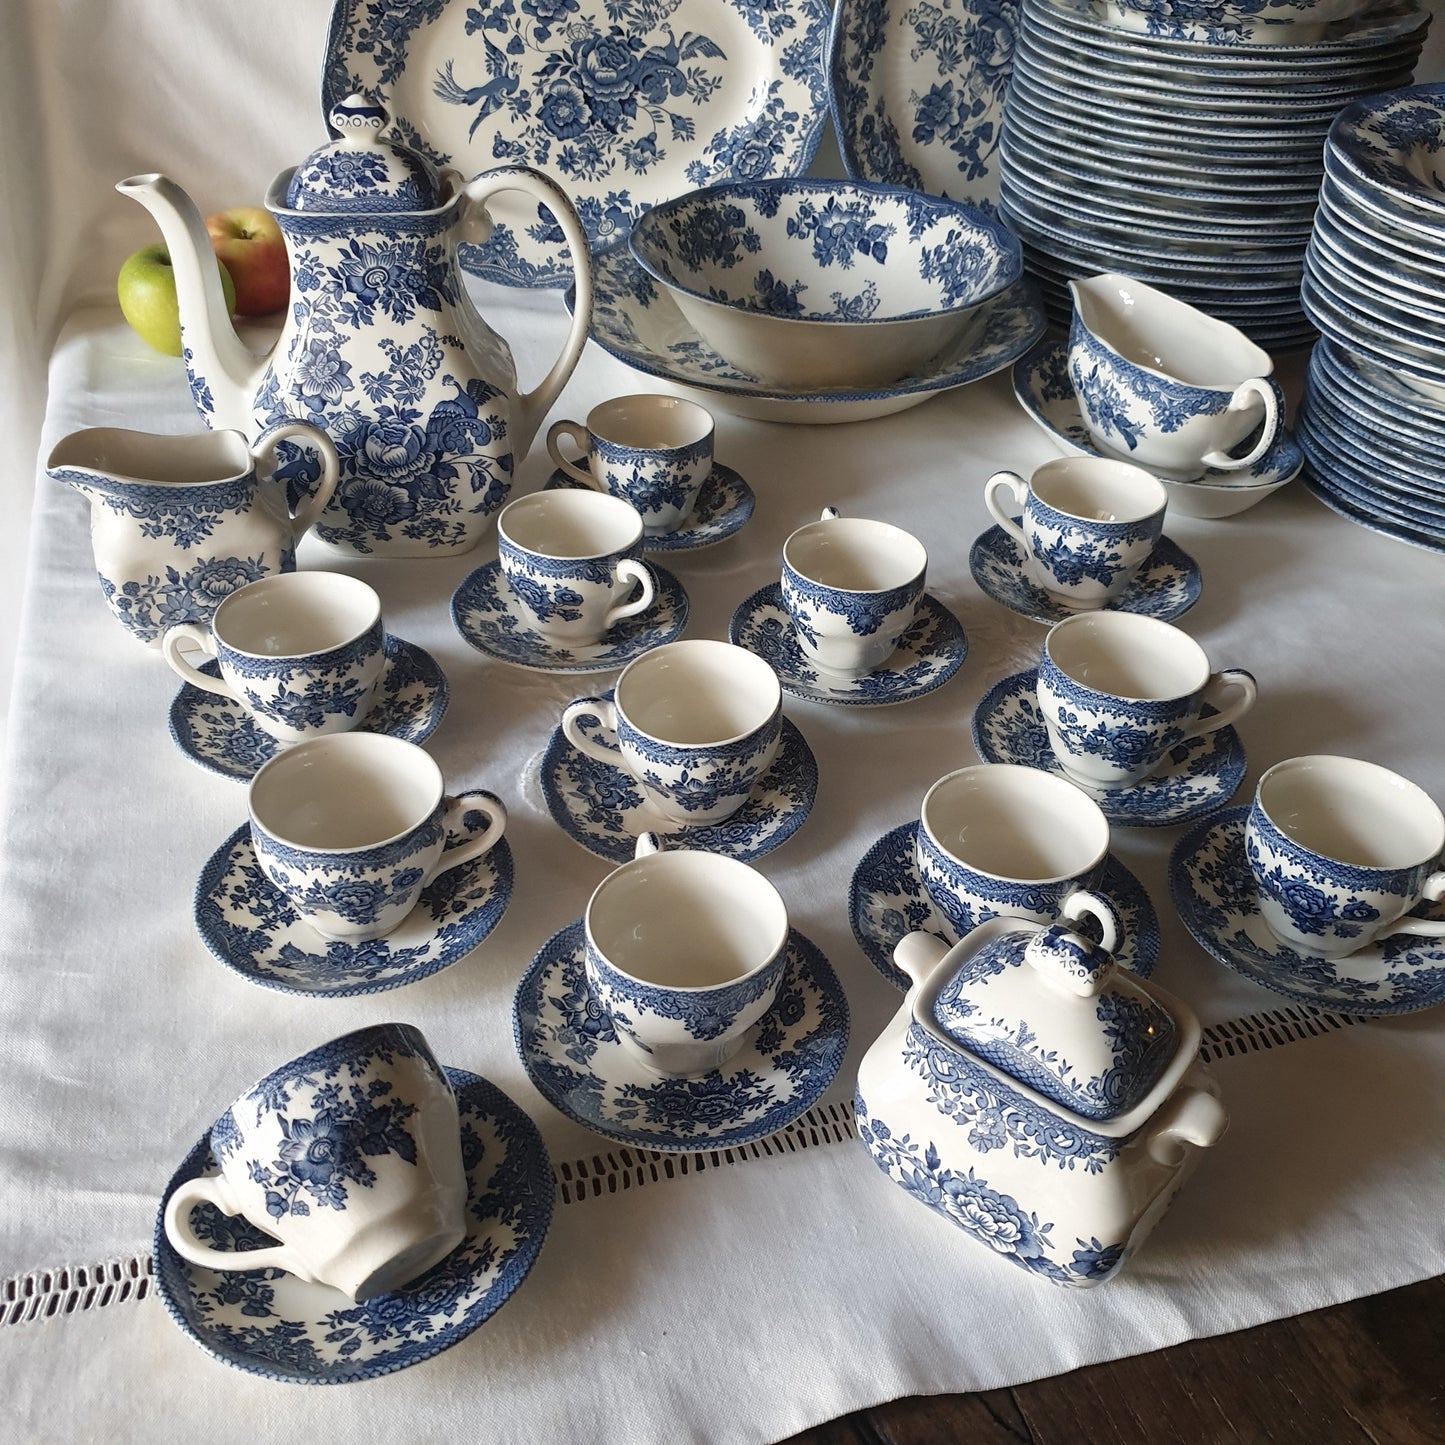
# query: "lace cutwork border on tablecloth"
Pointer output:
{"type": "Point", "coordinates": [53, 1293]}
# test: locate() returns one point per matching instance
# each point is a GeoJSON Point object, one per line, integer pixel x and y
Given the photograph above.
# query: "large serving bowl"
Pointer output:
{"type": "Point", "coordinates": [809, 284]}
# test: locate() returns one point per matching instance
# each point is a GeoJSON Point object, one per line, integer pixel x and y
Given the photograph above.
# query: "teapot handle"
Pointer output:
{"type": "Point", "coordinates": [308, 509]}
{"type": "Point", "coordinates": [531, 406]}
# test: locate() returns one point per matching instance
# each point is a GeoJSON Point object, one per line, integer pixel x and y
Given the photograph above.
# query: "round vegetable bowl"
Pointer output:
{"type": "Point", "coordinates": [809, 284]}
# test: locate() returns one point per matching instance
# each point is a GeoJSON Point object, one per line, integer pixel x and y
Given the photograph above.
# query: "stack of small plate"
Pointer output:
{"type": "Point", "coordinates": [1372, 425]}
{"type": "Point", "coordinates": [1193, 164]}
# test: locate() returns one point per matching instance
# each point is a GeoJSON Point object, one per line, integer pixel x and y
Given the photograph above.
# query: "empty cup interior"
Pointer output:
{"type": "Point", "coordinates": [349, 790]}
{"type": "Point", "coordinates": [698, 692]}
{"type": "Point", "coordinates": [650, 423]}
{"type": "Point", "coordinates": [1095, 489]}
{"type": "Point", "coordinates": [1128, 656]}
{"type": "Point", "coordinates": [1016, 823]}
{"type": "Point", "coordinates": [296, 613]}
{"type": "Point", "coordinates": [854, 554]}
{"type": "Point", "coordinates": [1352, 812]}
{"type": "Point", "coordinates": [570, 525]}
{"type": "Point", "coordinates": [687, 920]}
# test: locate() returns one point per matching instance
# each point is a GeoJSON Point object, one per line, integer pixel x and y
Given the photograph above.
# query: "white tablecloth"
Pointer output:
{"type": "Point", "coordinates": [759, 1294]}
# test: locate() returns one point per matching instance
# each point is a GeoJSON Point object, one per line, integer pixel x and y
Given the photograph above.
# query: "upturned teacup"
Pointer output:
{"type": "Point", "coordinates": [1088, 524]}
{"type": "Point", "coordinates": [349, 1156]}
{"type": "Point", "coordinates": [570, 558]}
{"type": "Point", "coordinates": [654, 452]}
{"type": "Point", "coordinates": [694, 723]}
{"type": "Point", "coordinates": [302, 652]}
{"type": "Point", "coordinates": [1163, 384]}
{"type": "Point", "coordinates": [851, 587]}
{"type": "Point", "coordinates": [1118, 691]}
{"type": "Point", "coordinates": [685, 951]}
{"type": "Point", "coordinates": [1341, 850]}
{"type": "Point", "coordinates": [352, 827]}
{"type": "Point", "coordinates": [1003, 839]}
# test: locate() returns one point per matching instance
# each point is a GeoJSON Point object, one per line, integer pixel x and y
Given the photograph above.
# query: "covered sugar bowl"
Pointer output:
{"type": "Point", "coordinates": [1045, 1100]}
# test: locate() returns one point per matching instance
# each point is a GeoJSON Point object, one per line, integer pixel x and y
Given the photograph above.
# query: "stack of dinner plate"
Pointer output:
{"type": "Point", "coordinates": [1372, 424]}
{"type": "Point", "coordinates": [1188, 158]}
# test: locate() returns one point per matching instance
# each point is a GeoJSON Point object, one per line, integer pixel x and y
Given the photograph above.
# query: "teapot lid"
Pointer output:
{"type": "Point", "coordinates": [1053, 1010]}
{"type": "Point", "coordinates": [360, 172]}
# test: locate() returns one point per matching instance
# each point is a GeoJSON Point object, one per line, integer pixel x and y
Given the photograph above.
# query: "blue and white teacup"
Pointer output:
{"type": "Point", "coordinates": [1341, 850]}
{"type": "Point", "coordinates": [349, 1156]}
{"type": "Point", "coordinates": [654, 452]}
{"type": "Point", "coordinates": [1088, 525]}
{"type": "Point", "coordinates": [695, 724]}
{"type": "Point", "coordinates": [302, 652]}
{"type": "Point", "coordinates": [1003, 839]}
{"type": "Point", "coordinates": [685, 952]}
{"type": "Point", "coordinates": [351, 828]}
{"type": "Point", "coordinates": [1119, 691]}
{"type": "Point", "coordinates": [1165, 385]}
{"type": "Point", "coordinates": [851, 587]}
{"type": "Point", "coordinates": [569, 557]}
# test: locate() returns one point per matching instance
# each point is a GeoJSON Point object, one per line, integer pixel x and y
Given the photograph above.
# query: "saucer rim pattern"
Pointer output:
{"type": "Point", "coordinates": [771, 595]}
{"type": "Point", "coordinates": [475, 1094]}
{"type": "Point", "coordinates": [806, 956]}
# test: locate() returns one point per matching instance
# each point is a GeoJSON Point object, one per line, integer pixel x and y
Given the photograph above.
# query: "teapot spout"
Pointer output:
{"type": "Point", "coordinates": [224, 373]}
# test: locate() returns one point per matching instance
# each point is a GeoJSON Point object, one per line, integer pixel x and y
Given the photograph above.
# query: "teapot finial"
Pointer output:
{"type": "Point", "coordinates": [364, 171]}
{"type": "Point", "coordinates": [360, 118]}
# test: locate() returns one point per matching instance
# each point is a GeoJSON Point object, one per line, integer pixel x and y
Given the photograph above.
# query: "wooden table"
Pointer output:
{"type": "Point", "coordinates": [1372, 1370]}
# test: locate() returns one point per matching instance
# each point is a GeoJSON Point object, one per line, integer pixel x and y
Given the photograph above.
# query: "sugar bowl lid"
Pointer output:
{"type": "Point", "coordinates": [1054, 1011]}
{"type": "Point", "coordinates": [360, 172]}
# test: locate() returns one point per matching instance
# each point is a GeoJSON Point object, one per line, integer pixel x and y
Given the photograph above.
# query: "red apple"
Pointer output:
{"type": "Point", "coordinates": [248, 242]}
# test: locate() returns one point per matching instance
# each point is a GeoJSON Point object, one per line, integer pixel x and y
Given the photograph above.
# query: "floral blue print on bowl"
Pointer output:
{"type": "Point", "coordinates": [1391, 146]}
{"type": "Point", "coordinates": [819, 283]}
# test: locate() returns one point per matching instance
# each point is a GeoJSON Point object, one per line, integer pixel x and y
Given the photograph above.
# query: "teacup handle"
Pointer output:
{"type": "Point", "coordinates": [309, 508]}
{"type": "Point", "coordinates": [212, 1189]}
{"type": "Point", "coordinates": [1082, 903]}
{"type": "Point", "coordinates": [183, 667]}
{"type": "Point", "coordinates": [1020, 490]}
{"type": "Point", "coordinates": [1231, 677]}
{"type": "Point", "coordinates": [632, 571]}
{"type": "Point", "coordinates": [1422, 927]}
{"type": "Point", "coordinates": [604, 713]}
{"type": "Point", "coordinates": [1257, 388]}
{"type": "Point", "coordinates": [474, 845]}
{"type": "Point", "coordinates": [582, 438]}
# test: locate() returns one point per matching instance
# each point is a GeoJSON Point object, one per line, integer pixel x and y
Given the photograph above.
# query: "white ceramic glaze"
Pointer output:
{"type": "Point", "coordinates": [353, 826]}
{"type": "Point", "coordinates": [684, 952]}
{"type": "Point", "coordinates": [1118, 692]}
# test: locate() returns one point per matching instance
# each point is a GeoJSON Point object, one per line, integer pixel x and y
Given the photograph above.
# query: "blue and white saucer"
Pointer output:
{"type": "Point", "coordinates": [1166, 586]}
{"type": "Point", "coordinates": [270, 1323]}
{"type": "Point", "coordinates": [1215, 893]}
{"type": "Point", "coordinates": [255, 930]}
{"type": "Point", "coordinates": [1198, 777]}
{"type": "Point", "coordinates": [572, 1055]}
{"type": "Point", "coordinates": [724, 506]}
{"type": "Point", "coordinates": [485, 615]}
{"type": "Point", "coordinates": [602, 808]}
{"type": "Point", "coordinates": [887, 900]}
{"type": "Point", "coordinates": [927, 655]}
{"type": "Point", "coordinates": [220, 735]}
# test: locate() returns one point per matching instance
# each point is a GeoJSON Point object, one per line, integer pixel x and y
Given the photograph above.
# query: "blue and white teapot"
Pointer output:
{"type": "Point", "coordinates": [382, 347]}
{"type": "Point", "coordinates": [1041, 1098]}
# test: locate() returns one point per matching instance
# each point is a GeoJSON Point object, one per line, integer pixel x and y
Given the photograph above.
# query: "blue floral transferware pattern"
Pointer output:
{"type": "Point", "coordinates": [626, 102]}
{"type": "Point", "coordinates": [1166, 586]}
{"type": "Point", "coordinates": [928, 654]}
{"type": "Point", "coordinates": [886, 899]}
{"type": "Point", "coordinates": [1392, 144]}
{"type": "Point", "coordinates": [639, 323]}
{"type": "Point", "coordinates": [1214, 890]}
{"type": "Point", "coordinates": [573, 1056]}
{"type": "Point", "coordinates": [220, 735]}
{"type": "Point", "coordinates": [255, 930]}
{"type": "Point", "coordinates": [918, 89]}
{"type": "Point", "coordinates": [487, 616]}
{"type": "Point", "coordinates": [1198, 776]}
{"type": "Point", "coordinates": [602, 807]}
{"type": "Point", "coordinates": [272, 1324]}
{"type": "Point", "coordinates": [724, 505]}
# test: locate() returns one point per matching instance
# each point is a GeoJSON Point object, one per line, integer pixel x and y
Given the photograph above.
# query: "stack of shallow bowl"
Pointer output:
{"type": "Point", "coordinates": [1372, 425]}
{"type": "Point", "coordinates": [1188, 156]}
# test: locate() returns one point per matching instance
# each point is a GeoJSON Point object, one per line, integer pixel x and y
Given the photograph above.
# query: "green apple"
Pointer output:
{"type": "Point", "coordinates": [147, 290]}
